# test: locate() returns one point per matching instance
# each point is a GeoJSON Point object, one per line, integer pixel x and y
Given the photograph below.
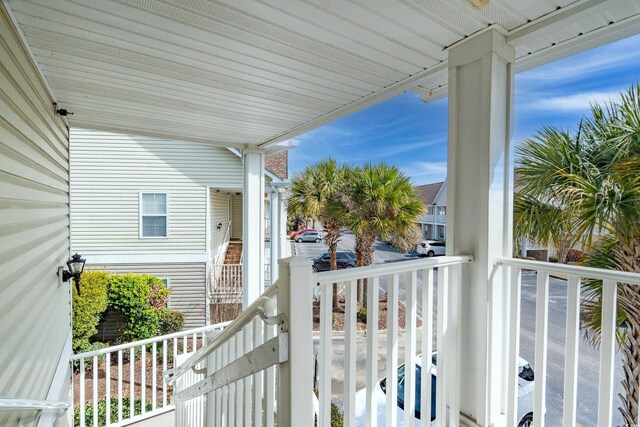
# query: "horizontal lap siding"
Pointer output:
{"type": "Point", "coordinates": [236, 216]}
{"type": "Point", "coordinates": [34, 227]}
{"type": "Point", "coordinates": [108, 172]}
{"type": "Point", "coordinates": [219, 211]}
{"type": "Point", "coordinates": [187, 281]}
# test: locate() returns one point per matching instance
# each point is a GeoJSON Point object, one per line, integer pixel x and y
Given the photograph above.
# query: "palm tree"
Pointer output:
{"type": "Point", "coordinates": [316, 193]}
{"type": "Point", "coordinates": [380, 200]}
{"type": "Point", "coordinates": [595, 176]}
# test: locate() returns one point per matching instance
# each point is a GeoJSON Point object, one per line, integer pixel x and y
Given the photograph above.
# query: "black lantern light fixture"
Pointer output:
{"type": "Point", "coordinates": [76, 266]}
{"type": "Point", "coordinates": [219, 226]}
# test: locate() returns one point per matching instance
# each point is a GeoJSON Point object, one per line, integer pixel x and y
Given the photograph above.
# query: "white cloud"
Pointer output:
{"type": "Point", "coordinates": [571, 103]}
{"type": "Point", "coordinates": [609, 57]}
{"type": "Point", "coordinates": [426, 172]}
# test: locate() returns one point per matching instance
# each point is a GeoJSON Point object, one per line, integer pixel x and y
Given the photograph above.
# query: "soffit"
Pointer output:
{"type": "Point", "coordinates": [249, 72]}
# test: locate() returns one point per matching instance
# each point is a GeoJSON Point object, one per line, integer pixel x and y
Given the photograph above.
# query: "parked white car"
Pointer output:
{"type": "Point", "coordinates": [525, 396]}
{"type": "Point", "coordinates": [431, 248]}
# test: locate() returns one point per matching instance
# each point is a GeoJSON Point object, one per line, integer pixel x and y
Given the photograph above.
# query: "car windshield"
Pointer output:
{"type": "Point", "coordinates": [526, 373]}
{"type": "Point", "coordinates": [401, 383]}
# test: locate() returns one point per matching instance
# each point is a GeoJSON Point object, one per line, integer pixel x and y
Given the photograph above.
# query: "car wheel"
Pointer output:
{"type": "Point", "coordinates": [299, 240]}
{"type": "Point", "coordinates": [526, 421]}
{"type": "Point", "coordinates": [430, 253]}
{"type": "Point", "coordinates": [318, 240]}
{"type": "Point", "coordinates": [315, 269]}
{"type": "Point", "coordinates": [348, 266]}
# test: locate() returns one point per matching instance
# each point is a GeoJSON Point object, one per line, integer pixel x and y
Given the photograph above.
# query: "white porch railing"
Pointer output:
{"type": "Point", "coordinates": [574, 275]}
{"type": "Point", "coordinates": [244, 361]}
{"type": "Point", "coordinates": [401, 282]}
{"type": "Point", "coordinates": [241, 362]}
{"type": "Point", "coordinates": [102, 375]}
{"type": "Point", "coordinates": [225, 284]}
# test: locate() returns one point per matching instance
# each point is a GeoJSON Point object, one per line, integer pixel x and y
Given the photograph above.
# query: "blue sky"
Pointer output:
{"type": "Point", "coordinates": [412, 135]}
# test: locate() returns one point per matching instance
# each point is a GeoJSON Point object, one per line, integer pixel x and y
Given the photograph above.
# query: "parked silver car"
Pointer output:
{"type": "Point", "coordinates": [431, 248]}
{"type": "Point", "coordinates": [309, 236]}
{"type": "Point", "coordinates": [525, 396]}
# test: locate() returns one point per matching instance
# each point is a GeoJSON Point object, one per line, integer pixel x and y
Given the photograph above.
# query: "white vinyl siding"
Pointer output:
{"type": "Point", "coordinates": [219, 212]}
{"type": "Point", "coordinates": [35, 313]}
{"type": "Point", "coordinates": [108, 173]}
{"type": "Point", "coordinates": [187, 282]}
{"type": "Point", "coordinates": [236, 216]}
{"type": "Point", "coordinates": [154, 217]}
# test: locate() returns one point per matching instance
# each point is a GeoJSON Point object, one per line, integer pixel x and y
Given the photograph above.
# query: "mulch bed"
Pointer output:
{"type": "Point", "coordinates": [339, 316]}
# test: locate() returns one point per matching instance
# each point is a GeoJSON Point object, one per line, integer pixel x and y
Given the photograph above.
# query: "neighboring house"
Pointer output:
{"type": "Point", "coordinates": [141, 205]}
{"type": "Point", "coordinates": [434, 221]}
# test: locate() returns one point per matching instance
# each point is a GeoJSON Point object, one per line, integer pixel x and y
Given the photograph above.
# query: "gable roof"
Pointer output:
{"type": "Point", "coordinates": [428, 192]}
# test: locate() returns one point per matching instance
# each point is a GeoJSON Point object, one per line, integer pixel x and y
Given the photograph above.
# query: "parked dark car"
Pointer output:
{"type": "Point", "coordinates": [346, 259]}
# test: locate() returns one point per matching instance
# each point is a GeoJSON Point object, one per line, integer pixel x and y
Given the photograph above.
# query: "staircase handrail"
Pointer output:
{"type": "Point", "coordinates": [257, 308]}
{"type": "Point", "coordinates": [9, 404]}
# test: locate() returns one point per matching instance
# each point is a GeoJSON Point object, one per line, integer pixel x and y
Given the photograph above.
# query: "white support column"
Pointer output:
{"type": "Point", "coordinates": [479, 207]}
{"type": "Point", "coordinates": [274, 230]}
{"type": "Point", "coordinates": [253, 225]}
{"type": "Point", "coordinates": [285, 245]}
{"type": "Point", "coordinates": [295, 300]}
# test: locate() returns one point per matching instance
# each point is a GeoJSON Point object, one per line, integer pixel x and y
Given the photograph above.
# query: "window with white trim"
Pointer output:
{"type": "Point", "coordinates": [154, 210]}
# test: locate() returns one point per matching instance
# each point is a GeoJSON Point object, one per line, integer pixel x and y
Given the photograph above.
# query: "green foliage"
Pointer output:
{"type": "Point", "coordinates": [170, 321]}
{"type": "Point", "coordinates": [88, 308]}
{"type": "Point", "coordinates": [88, 362]}
{"type": "Point", "coordinates": [141, 298]}
{"type": "Point", "coordinates": [361, 315]}
{"type": "Point", "coordinates": [337, 419]}
{"type": "Point", "coordinates": [102, 411]}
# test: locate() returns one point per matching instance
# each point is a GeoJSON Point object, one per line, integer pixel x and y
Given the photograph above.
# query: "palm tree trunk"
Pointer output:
{"type": "Point", "coordinates": [364, 253]}
{"type": "Point", "coordinates": [628, 259]}
{"type": "Point", "coordinates": [631, 365]}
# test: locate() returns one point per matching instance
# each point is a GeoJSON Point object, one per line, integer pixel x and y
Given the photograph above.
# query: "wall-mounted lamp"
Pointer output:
{"type": "Point", "coordinates": [76, 266]}
{"type": "Point", "coordinates": [219, 226]}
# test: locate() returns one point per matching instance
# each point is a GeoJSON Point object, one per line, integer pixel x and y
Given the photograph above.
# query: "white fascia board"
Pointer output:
{"type": "Point", "coordinates": [439, 193]}
{"type": "Point", "coordinates": [145, 258]}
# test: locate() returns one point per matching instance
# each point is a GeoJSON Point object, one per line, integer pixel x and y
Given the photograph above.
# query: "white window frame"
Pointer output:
{"type": "Point", "coordinates": [140, 215]}
{"type": "Point", "coordinates": [165, 279]}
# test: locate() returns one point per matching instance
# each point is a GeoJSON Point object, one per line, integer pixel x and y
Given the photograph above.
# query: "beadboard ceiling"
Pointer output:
{"type": "Point", "coordinates": [252, 72]}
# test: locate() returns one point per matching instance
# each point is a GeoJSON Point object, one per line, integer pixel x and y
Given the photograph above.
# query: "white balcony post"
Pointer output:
{"type": "Point", "coordinates": [295, 384]}
{"type": "Point", "coordinates": [285, 246]}
{"type": "Point", "coordinates": [480, 215]}
{"type": "Point", "coordinates": [253, 225]}
{"type": "Point", "coordinates": [274, 231]}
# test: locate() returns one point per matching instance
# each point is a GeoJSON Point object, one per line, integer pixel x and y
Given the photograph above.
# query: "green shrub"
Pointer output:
{"type": "Point", "coordinates": [337, 420]}
{"type": "Point", "coordinates": [361, 315]}
{"type": "Point", "coordinates": [88, 307]}
{"type": "Point", "coordinates": [141, 298]}
{"type": "Point", "coordinates": [88, 362]}
{"type": "Point", "coordinates": [102, 411]}
{"type": "Point", "coordinates": [170, 321]}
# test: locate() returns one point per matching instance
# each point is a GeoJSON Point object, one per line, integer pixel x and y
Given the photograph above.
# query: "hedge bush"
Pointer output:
{"type": "Point", "coordinates": [87, 308]}
{"type": "Point", "coordinates": [102, 411]}
{"type": "Point", "coordinates": [141, 298]}
{"type": "Point", "coordinates": [170, 321]}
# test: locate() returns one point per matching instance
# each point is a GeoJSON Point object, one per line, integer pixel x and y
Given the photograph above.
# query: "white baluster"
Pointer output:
{"type": "Point", "coordinates": [542, 319]}
{"type": "Point", "coordinates": [351, 336]}
{"type": "Point", "coordinates": [607, 352]}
